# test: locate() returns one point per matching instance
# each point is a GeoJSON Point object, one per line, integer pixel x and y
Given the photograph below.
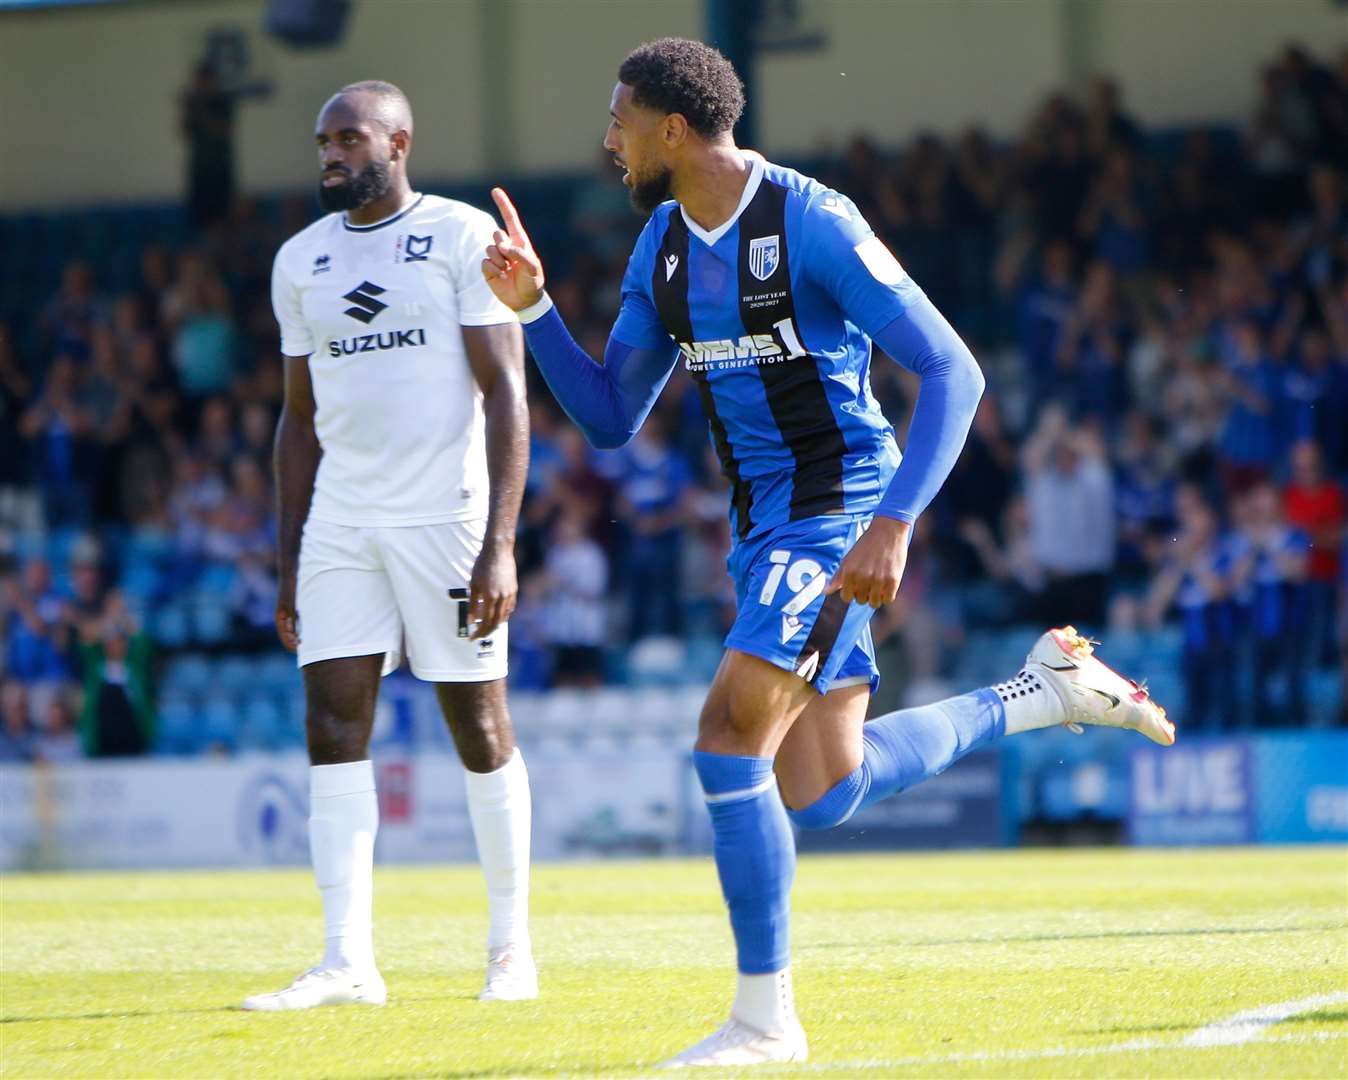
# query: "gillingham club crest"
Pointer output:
{"type": "Point", "coordinates": [764, 255]}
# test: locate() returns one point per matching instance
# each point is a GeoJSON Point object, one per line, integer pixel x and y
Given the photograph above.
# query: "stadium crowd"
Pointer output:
{"type": "Point", "coordinates": [1162, 318]}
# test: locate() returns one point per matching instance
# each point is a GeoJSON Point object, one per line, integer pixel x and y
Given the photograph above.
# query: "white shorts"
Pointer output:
{"type": "Point", "coordinates": [370, 590]}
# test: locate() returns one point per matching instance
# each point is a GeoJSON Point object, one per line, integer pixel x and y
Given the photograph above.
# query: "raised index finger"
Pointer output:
{"type": "Point", "coordinates": [509, 215]}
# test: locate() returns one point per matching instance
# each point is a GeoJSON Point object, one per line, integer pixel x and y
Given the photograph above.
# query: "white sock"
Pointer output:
{"type": "Point", "coordinates": [765, 1002]}
{"type": "Point", "coordinates": [500, 807]}
{"type": "Point", "coordinates": [1030, 703]}
{"type": "Point", "coordinates": [343, 820]}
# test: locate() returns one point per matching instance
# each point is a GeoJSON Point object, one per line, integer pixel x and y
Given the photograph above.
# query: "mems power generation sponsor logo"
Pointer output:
{"type": "Point", "coordinates": [750, 350]}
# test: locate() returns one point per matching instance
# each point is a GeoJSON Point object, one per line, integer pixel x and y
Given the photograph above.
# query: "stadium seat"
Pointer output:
{"type": "Point", "coordinates": [211, 621]}
{"type": "Point", "coordinates": [277, 672]}
{"type": "Point", "coordinates": [236, 674]}
{"type": "Point", "coordinates": [190, 673]}
{"type": "Point", "coordinates": [220, 722]}
{"type": "Point", "coordinates": [171, 627]}
{"type": "Point", "coordinates": [263, 723]}
{"type": "Point", "coordinates": [657, 661]}
{"type": "Point", "coordinates": [177, 725]}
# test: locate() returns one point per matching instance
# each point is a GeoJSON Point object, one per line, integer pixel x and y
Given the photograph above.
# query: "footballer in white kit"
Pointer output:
{"type": "Point", "coordinates": [400, 461]}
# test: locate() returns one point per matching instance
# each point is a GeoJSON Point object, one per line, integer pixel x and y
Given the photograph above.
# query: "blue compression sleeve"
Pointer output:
{"type": "Point", "coordinates": [922, 341]}
{"type": "Point", "coordinates": [607, 401]}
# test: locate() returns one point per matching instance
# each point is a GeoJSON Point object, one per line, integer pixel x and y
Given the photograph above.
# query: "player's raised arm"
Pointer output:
{"type": "Point", "coordinates": [608, 401]}
{"type": "Point", "coordinates": [512, 267]}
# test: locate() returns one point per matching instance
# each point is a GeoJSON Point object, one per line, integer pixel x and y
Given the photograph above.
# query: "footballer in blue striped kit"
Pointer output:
{"type": "Point", "coordinates": [770, 289]}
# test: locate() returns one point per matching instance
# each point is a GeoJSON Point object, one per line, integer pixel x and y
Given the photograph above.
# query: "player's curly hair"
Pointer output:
{"type": "Point", "coordinates": [676, 75]}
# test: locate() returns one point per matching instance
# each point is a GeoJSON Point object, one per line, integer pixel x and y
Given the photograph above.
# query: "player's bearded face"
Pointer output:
{"type": "Point", "coordinates": [651, 188]}
{"type": "Point", "coordinates": [371, 183]}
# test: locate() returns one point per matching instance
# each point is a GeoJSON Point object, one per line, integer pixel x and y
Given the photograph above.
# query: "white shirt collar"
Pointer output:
{"type": "Point", "coordinates": [406, 208]}
{"type": "Point", "coordinates": [750, 190]}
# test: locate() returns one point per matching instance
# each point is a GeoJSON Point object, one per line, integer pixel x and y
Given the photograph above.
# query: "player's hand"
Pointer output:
{"type": "Point", "coordinates": [287, 619]}
{"type": "Point", "coordinates": [871, 571]}
{"type": "Point", "coordinates": [492, 590]}
{"type": "Point", "coordinates": [512, 267]}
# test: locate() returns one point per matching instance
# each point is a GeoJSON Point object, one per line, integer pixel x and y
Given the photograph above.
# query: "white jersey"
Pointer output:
{"type": "Point", "coordinates": [377, 310]}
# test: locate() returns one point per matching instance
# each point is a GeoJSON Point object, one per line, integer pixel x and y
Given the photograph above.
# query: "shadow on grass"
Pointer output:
{"type": "Point", "coordinates": [112, 1015]}
{"type": "Point", "coordinates": [129, 1014]}
{"type": "Point", "coordinates": [1301, 1018]}
{"type": "Point", "coordinates": [1102, 935]}
{"type": "Point", "coordinates": [1340, 1017]}
{"type": "Point", "coordinates": [591, 1069]}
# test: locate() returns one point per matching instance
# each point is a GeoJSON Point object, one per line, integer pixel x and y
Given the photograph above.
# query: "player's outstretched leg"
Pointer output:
{"type": "Point", "coordinates": [343, 820]}
{"type": "Point", "coordinates": [500, 807]}
{"type": "Point", "coordinates": [1062, 683]}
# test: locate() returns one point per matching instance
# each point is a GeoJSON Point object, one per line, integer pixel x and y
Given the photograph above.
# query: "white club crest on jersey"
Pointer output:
{"type": "Point", "coordinates": [764, 256]}
{"type": "Point", "coordinates": [418, 248]}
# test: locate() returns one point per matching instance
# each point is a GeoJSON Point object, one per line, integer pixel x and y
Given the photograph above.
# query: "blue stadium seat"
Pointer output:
{"type": "Point", "coordinates": [220, 722]}
{"type": "Point", "coordinates": [171, 627]}
{"type": "Point", "coordinates": [190, 673]}
{"type": "Point", "coordinates": [277, 672]}
{"type": "Point", "coordinates": [178, 726]}
{"type": "Point", "coordinates": [211, 621]}
{"type": "Point", "coordinates": [236, 675]}
{"type": "Point", "coordinates": [656, 661]}
{"type": "Point", "coordinates": [263, 725]}
{"type": "Point", "coordinates": [1324, 697]}
{"type": "Point", "coordinates": [216, 580]}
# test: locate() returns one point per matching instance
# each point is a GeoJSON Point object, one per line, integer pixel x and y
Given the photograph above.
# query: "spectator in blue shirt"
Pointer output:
{"type": "Point", "coordinates": [1042, 311]}
{"type": "Point", "coordinates": [651, 493]}
{"type": "Point", "coordinates": [1094, 347]}
{"type": "Point", "coordinates": [35, 628]}
{"type": "Point", "coordinates": [1248, 442]}
{"type": "Point", "coordinates": [1144, 489]}
{"type": "Point", "coordinates": [1195, 578]}
{"type": "Point", "coordinates": [58, 428]}
{"type": "Point", "coordinates": [1305, 394]}
{"type": "Point", "coordinates": [1269, 565]}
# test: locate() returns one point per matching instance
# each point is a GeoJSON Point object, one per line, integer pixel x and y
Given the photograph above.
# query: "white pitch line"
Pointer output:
{"type": "Point", "coordinates": [1137, 1045]}
{"type": "Point", "coordinates": [1247, 1025]}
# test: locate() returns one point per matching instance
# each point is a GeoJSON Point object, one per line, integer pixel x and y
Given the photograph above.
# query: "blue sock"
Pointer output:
{"type": "Point", "coordinates": [755, 855]}
{"type": "Point", "coordinates": [904, 748]}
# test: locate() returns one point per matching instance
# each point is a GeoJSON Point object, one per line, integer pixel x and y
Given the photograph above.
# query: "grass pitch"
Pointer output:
{"type": "Point", "coordinates": [1063, 963]}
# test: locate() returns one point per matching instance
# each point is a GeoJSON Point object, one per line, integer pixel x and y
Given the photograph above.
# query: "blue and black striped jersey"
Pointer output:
{"type": "Point", "coordinates": [773, 313]}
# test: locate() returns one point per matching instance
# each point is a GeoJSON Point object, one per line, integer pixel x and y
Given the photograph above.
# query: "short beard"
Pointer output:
{"type": "Point", "coordinates": [371, 183]}
{"type": "Point", "coordinates": [649, 193]}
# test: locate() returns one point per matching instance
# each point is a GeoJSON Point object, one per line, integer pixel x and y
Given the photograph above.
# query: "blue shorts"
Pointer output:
{"type": "Point", "coordinates": [783, 615]}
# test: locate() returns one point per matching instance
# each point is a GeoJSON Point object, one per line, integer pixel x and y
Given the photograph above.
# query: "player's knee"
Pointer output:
{"type": "Point", "coordinates": [721, 731]}
{"type": "Point", "coordinates": [820, 814]}
{"type": "Point", "coordinates": [836, 805]}
{"type": "Point", "coordinates": [334, 739]}
{"type": "Point", "coordinates": [484, 747]}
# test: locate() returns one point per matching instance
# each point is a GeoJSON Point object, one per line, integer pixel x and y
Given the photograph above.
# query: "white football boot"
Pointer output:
{"type": "Point", "coordinates": [323, 986]}
{"type": "Point", "coordinates": [511, 975]}
{"type": "Point", "coordinates": [736, 1043]}
{"type": "Point", "coordinates": [1093, 693]}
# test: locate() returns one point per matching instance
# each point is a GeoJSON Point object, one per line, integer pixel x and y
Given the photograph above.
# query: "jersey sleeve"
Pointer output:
{"type": "Point", "coordinates": [638, 323]}
{"type": "Point", "coordinates": [478, 305]}
{"type": "Point", "coordinates": [844, 257]}
{"type": "Point", "coordinates": [296, 337]}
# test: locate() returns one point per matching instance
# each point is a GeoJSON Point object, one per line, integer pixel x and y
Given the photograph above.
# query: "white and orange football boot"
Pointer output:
{"type": "Point", "coordinates": [1093, 693]}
